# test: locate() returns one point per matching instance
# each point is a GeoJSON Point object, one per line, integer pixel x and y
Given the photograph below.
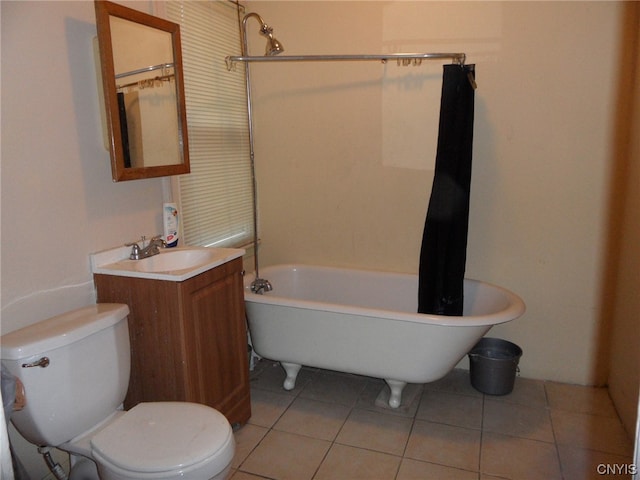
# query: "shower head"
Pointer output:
{"type": "Point", "coordinates": [274, 47]}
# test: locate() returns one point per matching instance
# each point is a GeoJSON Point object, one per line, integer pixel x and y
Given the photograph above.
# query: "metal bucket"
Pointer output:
{"type": "Point", "coordinates": [493, 365]}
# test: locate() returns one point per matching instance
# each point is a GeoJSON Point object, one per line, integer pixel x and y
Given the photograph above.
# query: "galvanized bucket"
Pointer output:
{"type": "Point", "coordinates": [493, 365]}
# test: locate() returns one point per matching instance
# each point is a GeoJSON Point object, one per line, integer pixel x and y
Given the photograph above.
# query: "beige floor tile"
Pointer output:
{"type": "Point", "coordinates": [285, 456]}
{"type": "Point", "coordinates": [451, 408]}
{"type": "Point", "coordinates": [457, 381]}
{"type": "Point", "coordinates": [247, 438]}
{"type": "Point", "coordinates": [517, 420]}
{"type": "Point", "coordinates": [444, 444]}
{"type": "Point", "coordinates": [313, 418]}
{"type": "Point", "coordinates": [344, 462]}
{"type": "Point", "coordinates": [289, 434]}
{"type": "Point", "coordinates": [267, 407]}
{"type": "Point", "coordinates": [416, 470]}
{"type": "Point", "coordinates": [526, 391]}
{"type": "Point", "coordinates": [582, 464]}
{"type": "Point", "coordinates": [335, 387]}
{"type": "Point", "coordinates": [518, 458]}
{"type": "Point", "coordinates": [595, 432]}
{"type": "Point", "coordinates": [580, 399]}
{"type": "Point", "coordinates": [376, 431]}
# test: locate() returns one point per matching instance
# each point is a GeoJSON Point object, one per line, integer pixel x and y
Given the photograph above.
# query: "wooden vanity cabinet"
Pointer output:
{"type": "Point", "coordinates": [188, 339]}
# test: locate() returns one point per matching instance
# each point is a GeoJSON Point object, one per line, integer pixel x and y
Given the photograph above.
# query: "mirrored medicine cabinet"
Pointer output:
{"type": "Point", "coordinates": [141, 67]}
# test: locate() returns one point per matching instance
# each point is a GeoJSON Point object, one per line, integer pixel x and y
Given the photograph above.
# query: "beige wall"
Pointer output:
{"type": "Point", "coordinates": [58, 201]}
{"type": "Point", "coordinates": [331, 192]}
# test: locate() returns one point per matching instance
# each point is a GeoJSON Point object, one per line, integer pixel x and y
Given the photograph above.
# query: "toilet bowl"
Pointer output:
{"type": "Point", "coordinates": [165, 440]}
{"type": "Point", "coordinates": [83, 357]}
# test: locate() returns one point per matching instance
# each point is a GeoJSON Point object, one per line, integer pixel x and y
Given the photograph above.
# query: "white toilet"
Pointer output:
{"type": "Point", "coordinates": [75, 371]}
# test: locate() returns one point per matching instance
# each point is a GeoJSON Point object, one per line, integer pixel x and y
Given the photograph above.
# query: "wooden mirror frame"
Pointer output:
{"type": "Point", "coordinates": [104, 10]}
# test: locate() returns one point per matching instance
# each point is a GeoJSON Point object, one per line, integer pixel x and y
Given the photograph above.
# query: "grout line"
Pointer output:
{"type": "Point", "coordinates": [481, 436]}
{"type": "Point", "coordinates": [553, 429]}
{"type": "Point", "coordinates": [335, 438]}
{"type": "Point", "coordinates": [413, 424]}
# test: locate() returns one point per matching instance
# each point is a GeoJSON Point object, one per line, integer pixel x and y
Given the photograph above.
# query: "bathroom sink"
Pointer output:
{"type": "Point", "coordinates": [174, 264]}
{"type": "Point", "coordinates": [169, 260]}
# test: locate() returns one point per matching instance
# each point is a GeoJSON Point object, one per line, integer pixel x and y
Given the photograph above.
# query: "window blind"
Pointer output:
{"type": "Point", "coordinates": [216, 197]}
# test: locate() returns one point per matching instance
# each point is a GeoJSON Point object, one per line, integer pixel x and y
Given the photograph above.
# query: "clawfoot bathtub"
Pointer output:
{"type": "Point", "coordinates": [363, 322]}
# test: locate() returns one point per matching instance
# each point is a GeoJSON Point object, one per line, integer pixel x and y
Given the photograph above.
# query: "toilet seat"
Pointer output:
{"type": "Point", "coordinates": [165, 437]}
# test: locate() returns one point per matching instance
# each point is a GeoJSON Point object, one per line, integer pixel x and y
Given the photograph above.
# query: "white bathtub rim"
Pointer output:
{"type": "Point", "coordinates": [515, 309]}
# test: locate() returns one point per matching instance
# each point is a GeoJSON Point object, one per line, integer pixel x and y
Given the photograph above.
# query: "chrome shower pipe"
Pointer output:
{"type": "Point", "coordinates": [259, 285]}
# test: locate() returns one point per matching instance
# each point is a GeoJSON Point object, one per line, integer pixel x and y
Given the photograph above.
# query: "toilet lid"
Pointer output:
{"type": "Point", "coordinates": [163, 436]}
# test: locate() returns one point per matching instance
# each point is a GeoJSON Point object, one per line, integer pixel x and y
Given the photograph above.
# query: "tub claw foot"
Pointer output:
{"type": "Point", "coordinates": [291, 370]}
{"type": "Point", "coordinates": [395, 398]}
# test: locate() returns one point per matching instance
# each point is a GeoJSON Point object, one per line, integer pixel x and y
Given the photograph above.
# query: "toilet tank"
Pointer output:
{"type": "Point", "coordinates": [86, 378]}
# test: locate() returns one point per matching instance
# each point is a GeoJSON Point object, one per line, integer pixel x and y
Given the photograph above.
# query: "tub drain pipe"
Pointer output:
{"type": "Point", "coordinates": [55, 468]}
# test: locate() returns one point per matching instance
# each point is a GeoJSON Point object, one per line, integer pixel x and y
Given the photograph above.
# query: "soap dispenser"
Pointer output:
{"type": "Point", "coordinates": [170, 218]}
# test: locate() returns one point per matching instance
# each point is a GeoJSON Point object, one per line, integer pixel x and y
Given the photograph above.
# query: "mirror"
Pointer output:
{"type": "Point", "coordinates": [141, 66]}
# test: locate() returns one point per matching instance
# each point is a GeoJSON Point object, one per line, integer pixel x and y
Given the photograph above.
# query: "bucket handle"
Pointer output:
{"type": "Point", "coordinates": [516, 360]}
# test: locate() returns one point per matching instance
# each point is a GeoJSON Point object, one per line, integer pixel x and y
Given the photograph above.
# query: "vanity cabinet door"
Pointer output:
{"type": "Point", "coordinates": [216, 341]}
{"type": "Point", "coordinates": [155, 334]}
{"type": "Point", "coordinates": [188, 339]}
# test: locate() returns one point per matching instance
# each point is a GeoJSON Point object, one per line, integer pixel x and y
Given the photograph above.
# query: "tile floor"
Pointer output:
{"type": "Point", "coordinates": [331, 427]}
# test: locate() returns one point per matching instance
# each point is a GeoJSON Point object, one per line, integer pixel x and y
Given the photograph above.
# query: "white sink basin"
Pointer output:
{"type": "Point", "coordinates": [174, 264]}
{"type": "Point", "coordinates": [169, 260]}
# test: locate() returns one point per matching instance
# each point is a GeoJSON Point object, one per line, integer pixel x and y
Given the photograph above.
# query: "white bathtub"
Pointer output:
{"type": "Point", "coordinates": [364, 322]}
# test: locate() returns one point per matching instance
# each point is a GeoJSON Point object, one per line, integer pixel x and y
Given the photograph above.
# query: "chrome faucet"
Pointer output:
{"type": "Point", "coordinates": [152, 248]}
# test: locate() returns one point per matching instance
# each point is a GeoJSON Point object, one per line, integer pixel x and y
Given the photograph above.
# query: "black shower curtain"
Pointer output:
{"type": "Point", "coordinates": [444, 241]}
{"type": "Point", "coordinates": [124, 130]}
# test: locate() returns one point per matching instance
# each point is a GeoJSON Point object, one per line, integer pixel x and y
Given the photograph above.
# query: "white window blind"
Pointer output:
{"type": "Point", "coordinates": [216, 198]}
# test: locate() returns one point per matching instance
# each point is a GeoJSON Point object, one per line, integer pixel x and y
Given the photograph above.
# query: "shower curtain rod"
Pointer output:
{"type": "Point", "coordinates": [150, 68]}
{"type": "Point", "coordinates": [404, 57]}
{"type": "Point", "coordinates": [147, 82]}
